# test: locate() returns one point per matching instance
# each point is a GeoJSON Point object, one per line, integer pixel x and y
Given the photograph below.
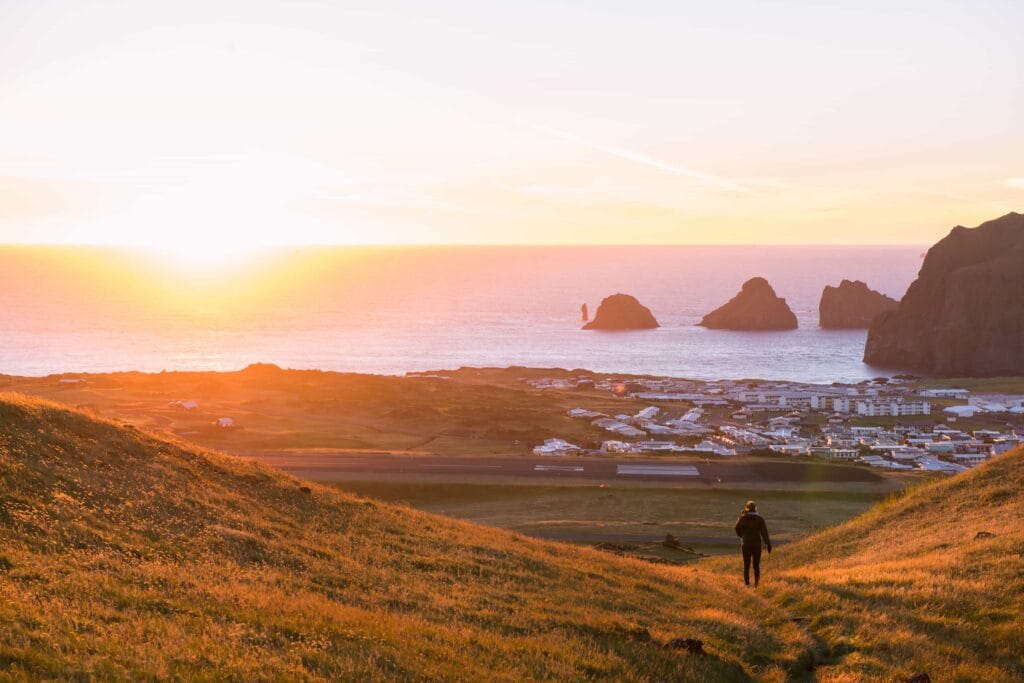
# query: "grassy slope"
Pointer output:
{"type": "Point", "coordinates": [906, 587]}
{"type": "Point", "coordinates": [309, 409]}
{"type": "Point", "coordinates": [124, 555]}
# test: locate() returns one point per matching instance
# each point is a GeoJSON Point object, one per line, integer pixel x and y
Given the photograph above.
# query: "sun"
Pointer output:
{"type": "Point", "coordinates": [210, 253]}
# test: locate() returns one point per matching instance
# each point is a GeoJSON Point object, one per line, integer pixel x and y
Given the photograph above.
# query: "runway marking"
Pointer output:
{"type": "Point", "coordinates": [557, 468]}
{"type": "Point", "coordinates": [466, 467]}
{"type": "Point", "coordinates": [658, 470]}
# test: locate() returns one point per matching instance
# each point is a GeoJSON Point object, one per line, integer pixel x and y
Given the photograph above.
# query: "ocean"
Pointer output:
{"type": "Point", "coordinates": [396, 309]}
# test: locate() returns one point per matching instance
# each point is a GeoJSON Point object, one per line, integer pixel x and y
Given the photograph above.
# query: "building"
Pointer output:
{"type": "Point", "coordinates": [581, 413]}
{"type": "Point", "coordinates": [648, 413]}
{"type": "Point", "coordinates": [835, 453]}
{"type": "Point", "coordinates": [970, 459]}
{"type": "Point", "coordinates": [556, 447]}
{"type": "Point", "coordinates": [895, 408]}
{"type": "Point", "coordinates": [833, 403]}
{"type": "Point", "coordinates": [960, 411]}
{"type": "Point", "coordinates": [960, 394]}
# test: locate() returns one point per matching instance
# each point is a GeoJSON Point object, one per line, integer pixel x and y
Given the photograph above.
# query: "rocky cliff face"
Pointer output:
{"type": "Point", "coordinates": [964, 315]}
{"type": "Point", "coordinates": [622, 312]}
{"type": "Point", "coordinates": [851, 305]}
{"type": "Point", "coordinates": [756, 307]}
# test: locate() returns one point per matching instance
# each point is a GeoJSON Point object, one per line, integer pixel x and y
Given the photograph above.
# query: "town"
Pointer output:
{"type": "Point", "coordinates": [887, 423]}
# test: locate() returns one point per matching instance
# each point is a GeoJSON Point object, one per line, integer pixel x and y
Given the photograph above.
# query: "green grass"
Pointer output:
{"type": "Point", "coordinates": [126, 556]}
{"type": "Point", "coordinates": [593, 514]}
{"type": "Point", "coordinates": [1004, 385]}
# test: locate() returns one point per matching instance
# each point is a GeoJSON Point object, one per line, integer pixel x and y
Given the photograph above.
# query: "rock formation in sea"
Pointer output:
{"type": "Point", "coordinates": [964, 314]}
{"type": "Point", "coordinates": [756, 307]}
{"type": "Point", "coordinates": [622, 312]}
{"type": "Point", "coordinates": [851, 305]}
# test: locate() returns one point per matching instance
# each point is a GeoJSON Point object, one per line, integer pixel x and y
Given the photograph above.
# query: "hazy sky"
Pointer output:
{"type": "Point", "coordinates": [257, 122]}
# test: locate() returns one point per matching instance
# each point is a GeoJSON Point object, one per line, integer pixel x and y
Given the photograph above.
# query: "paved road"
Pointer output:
{"type": "Point", "coordinates": [347, 466]}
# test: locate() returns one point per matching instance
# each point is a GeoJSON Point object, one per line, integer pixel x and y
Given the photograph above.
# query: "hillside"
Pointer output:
{"type": "Point", "coordinates": [123, 555]}
{"type": "Point", "coordinates": [307, 410]}
{"type": "Point", "coordinates": [908, 588]}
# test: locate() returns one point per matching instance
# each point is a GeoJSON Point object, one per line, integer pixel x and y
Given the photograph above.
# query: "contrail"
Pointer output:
{"type": "Point", "coordinates": [636, 157]}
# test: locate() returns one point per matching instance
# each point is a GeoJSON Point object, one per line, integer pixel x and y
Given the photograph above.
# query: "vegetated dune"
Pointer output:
{"type": "Point", "coordinates": [911, 587]}
{"type": "Point", "coordinates": [123, 555]}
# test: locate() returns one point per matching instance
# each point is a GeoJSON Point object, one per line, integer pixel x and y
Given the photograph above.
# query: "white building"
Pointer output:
{"type": "Point", "coordinates": [936, 465]}
{"type": "Point", "coordinates": [648, 413]}
{"type": "Point", "coordinates": [556, 447]}
{"type": "Point", "coordinates": [960, 394]}
{"type": "Point", "coordinates": [836, 404]}
{"type": "Point", "coordinates": [894, 408]}
{"type": "Point", "coordinates": [970, 459]}
{"type": "Point", "coordinates": [582, 413]}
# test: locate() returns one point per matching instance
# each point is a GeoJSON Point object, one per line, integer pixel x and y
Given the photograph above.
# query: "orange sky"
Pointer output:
{"type": "Point", "coordinates": [202, 130]}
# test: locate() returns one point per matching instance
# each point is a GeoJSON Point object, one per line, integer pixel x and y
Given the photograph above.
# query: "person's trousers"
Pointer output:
{"type": "Point", "coordinates": [751, 555]}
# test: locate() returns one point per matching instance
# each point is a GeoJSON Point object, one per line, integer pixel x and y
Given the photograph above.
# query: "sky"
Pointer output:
{"type": "Point", "coordinates": [213, 126]}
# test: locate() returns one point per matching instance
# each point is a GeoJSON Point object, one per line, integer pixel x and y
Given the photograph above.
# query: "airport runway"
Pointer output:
{"type": "Point", "coordinates": [348, 466]}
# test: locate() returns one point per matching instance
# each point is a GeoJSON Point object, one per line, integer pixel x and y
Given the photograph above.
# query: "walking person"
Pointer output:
{"type": "Point", "coordinates": [751, 529]}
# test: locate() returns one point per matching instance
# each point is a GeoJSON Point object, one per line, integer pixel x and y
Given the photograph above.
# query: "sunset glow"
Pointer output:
{"type": "Point", "coordinates": [263, 124]}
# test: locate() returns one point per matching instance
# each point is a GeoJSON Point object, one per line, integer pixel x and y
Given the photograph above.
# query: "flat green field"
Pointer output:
{"type": "Point", "coordinates": [701, 518]}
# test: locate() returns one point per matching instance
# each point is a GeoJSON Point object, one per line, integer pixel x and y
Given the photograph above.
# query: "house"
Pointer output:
{"type": "Point", "coordinates": [648, 413]}
{"type": "Point", "coordinates": [970, 459]}
{"type": "Point", "coordinates": [960, 411]}
{"type": "Point", "coordinates": [184, 405]}
{"type": "Point", "coordinates": [225, 422]}
{"type": "Point", "coordinates": [707, 446]}
{"type": "Point", "coordinates": [936, 465]}
{"type": "Point", "coordinates": [960, 394]}
{"type": "Point", "coordinates": [790, 449]}
{"type": "Point", "coordinates": [581, 413]}
{"type": "Point", "coordinates": [556, 447]}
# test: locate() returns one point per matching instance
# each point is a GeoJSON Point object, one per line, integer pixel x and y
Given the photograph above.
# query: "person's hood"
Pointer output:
{"type": "Point", "coordinates": [752, 513]}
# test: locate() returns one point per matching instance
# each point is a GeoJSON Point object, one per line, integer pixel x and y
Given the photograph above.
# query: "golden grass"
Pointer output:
{"type": "Point", "coordinates": [907, 587]}
{"type": "Point", "coordinates": [472, 413]}
{"type": "Point", "coordinates": [126, 556]}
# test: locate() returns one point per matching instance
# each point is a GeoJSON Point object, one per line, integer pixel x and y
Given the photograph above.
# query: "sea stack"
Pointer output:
{"type": "Point", "coordinates": [622, 312]}
{"type": "Point", "coordinates": [852, 305]}
{"type": "Point", "coordinates": [756, 307]}
{"type": "Point", "coordinates": [964, 314]}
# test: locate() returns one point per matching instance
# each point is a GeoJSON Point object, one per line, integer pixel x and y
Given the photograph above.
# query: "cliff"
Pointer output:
{"type": "Point", "coordinates": [851, 305]}
{"type": "Point", "coordinates": [622, 312]}
{"type": "Point", "coordinates": [964, 315]}
{"type": "Point", "coordinates": [756, 307]}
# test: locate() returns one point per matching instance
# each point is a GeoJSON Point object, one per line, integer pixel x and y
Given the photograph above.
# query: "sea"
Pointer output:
{"type": "Point", "coordinates": [393, 310]}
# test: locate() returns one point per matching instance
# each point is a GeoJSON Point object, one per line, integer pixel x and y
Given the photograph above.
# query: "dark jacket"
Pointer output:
{"type": "Point", "coordinates": [752, 529]}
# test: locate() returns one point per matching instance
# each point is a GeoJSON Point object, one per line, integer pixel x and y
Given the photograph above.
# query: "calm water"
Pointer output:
{"type": "Point", "coordinates": [390, 310]}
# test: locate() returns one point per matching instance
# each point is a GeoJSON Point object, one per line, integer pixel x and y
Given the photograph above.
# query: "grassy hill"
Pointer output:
{"type": "Point", "coordinates": [469, 412]}
{"type": "Point", "coordinates": [909, 587]}
{"type": "Point", "coordinates": [124, 555]}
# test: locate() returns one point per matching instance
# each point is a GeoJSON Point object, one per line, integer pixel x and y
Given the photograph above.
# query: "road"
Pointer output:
{"type": "Point", "coordinates": [348, 466]}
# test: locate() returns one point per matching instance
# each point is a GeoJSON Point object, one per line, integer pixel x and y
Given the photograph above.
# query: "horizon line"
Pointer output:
{"type": "Point", "coordinates": [349, 245]}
